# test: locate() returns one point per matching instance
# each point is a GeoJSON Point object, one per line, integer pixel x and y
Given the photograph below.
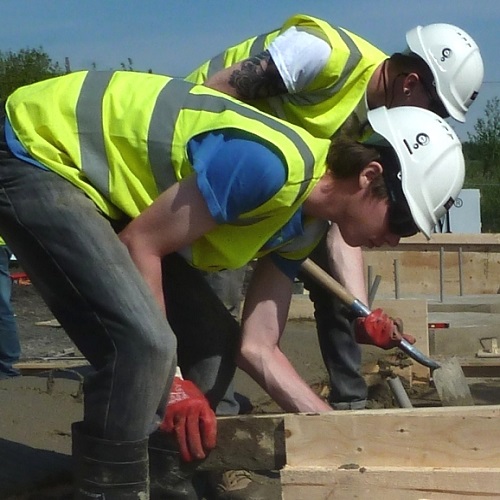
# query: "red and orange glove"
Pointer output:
{"type": "Point", "coordinates": [380, 330]}
{"type": "Point", "coordinates": [189, 415]}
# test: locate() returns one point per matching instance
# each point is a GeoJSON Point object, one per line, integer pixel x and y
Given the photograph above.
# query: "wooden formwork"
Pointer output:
{"type": "Point", "coordinates": [388, 454]}
{"type": "Point", "coordinates": [447, 264]}
{"type": "Point", "coordinates": [400, 454]}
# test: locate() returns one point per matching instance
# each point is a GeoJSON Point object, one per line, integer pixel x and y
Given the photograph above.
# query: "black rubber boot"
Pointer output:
{"type": "Point", "coordinates": [109, 470]}
{"type": "Point", "coordinates": [170, 477]}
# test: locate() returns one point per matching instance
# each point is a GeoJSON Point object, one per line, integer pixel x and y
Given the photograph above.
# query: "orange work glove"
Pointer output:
{"type": "Point", "coordinates": [189, 415]}
{"type": "Point", "coordinates": [379, 329]}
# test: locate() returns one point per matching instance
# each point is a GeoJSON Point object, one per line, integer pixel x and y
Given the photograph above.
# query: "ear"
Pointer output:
{"type": "Point", "coordinates": [410, 81]}
{"type": "Point", "coordinates": [371, 172]}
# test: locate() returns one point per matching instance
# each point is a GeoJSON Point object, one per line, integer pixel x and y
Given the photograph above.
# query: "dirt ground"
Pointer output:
{"type": "Point", "coordinates": [36, 339]}
{"type": "Point", "coordinates": [37, 411]}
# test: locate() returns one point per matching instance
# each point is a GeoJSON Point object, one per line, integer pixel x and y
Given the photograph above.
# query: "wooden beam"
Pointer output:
{"type": "Point", "coordinates": [480, 367]}
{"type": "Point", "coordinates": [483, 242]}
{"type": "Point", "coordinates": [29, 367]}
{"type": "Point", "coordinates": [250, 442]}
{"type": "Point", "coordinates": [385, 483]}
{"type": "Point", "coordinates": [471, 265]}
{"type": "Point", "coordinates": [417, 437]}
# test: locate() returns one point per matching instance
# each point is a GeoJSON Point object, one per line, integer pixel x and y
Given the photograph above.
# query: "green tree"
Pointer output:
{"type": "Point", "coordinates": [25, 67]}
{"type": "Point", "coordinates": [482, 154]}
{"type": "Point", "coordinates": [485, 142]}
{"type": "Point", "coordinates": [129, 66]}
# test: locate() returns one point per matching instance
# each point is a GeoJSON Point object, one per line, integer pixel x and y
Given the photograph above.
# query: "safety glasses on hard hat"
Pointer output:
{"type": "Point", "coordinates": [400, 219]}
{"type": "Point", "coordinates": [401, 222]}
{"type": "Point", "coordinates": [435, 103]}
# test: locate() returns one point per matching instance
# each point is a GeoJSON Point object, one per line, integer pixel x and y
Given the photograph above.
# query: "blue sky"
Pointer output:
{"type": "Point", "coordinates": [174, 36]}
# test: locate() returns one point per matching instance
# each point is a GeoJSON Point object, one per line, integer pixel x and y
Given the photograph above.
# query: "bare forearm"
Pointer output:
{"type": "Point", "coordinates": [149, 266]}
{"type": "Point", "coordinates": [176, 218]}
{"type": "Point", "coordinates": [346, 264]}
{"type": "Point", "coordinates": [274, 373]}
{"type": "Point", "coordinates": [263, 322]}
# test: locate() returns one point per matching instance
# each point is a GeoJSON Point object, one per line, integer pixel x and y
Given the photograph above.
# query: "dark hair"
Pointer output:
{"type": "Point", "coordinates": [347, 157]}
{"type": "Point", "coordinates": [403, 64]}
{"type": "Point", "coordinates": [410, 63]}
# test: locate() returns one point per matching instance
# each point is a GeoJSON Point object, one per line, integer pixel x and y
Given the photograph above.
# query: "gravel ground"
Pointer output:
{"type": "Point", "coordinates": [36, 340]}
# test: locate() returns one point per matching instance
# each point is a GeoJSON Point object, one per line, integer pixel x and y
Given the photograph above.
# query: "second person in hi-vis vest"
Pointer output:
{"type": "Point", "coordinates": [117, 187]}
{"type": "Point", "coordinates": [325, 78]}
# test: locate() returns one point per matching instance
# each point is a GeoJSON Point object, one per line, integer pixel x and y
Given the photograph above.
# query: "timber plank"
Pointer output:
{"type": "Point", "coordinates": [250, 442]}
{"type": "Point", "coordinates": [480, 367]}
{"type": "Point", "coordinates": [30, 367]}
{"type": "Point", "coordinates": [384, 483]}
{"type": "Point", "coordinates": [417, 437]}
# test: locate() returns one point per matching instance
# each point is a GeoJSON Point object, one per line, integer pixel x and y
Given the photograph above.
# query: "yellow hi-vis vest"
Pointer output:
{"type": "Point", "coordinates": [121, 137]}
{"type": "Point", "coordinates": [326, 103]}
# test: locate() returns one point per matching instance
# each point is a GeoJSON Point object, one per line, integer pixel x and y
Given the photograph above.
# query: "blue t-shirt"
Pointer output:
{"type": "Point", "coordinates": [17, 148]}
{"type": "Point", "coordinates": [236, 174]}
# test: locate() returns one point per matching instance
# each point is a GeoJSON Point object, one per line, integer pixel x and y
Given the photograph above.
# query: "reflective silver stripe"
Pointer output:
{"type": "Point", "coordinates": [323, 94]}
{"type": "Point", "coordinates": [218, 62]}
{"type": "Point", "coordinates": [313, 231]}
{"type": "Point", "coordinates": [258, 44]}
{"type": "Point", "coordinates": [173, 98]}
{"type": "Point", "coordinates": [161, 131]}
{"type": "Point", "coordinates": [216, 104]}
{"type": "Point", "coordinates": [215, 64]}
{"type": "Point", "coordinates": [89, 123]}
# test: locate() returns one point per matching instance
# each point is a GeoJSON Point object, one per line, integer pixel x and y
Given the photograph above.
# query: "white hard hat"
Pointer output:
{"type": "Point", "coordinates": [430, 157]}
{"type": "Point", "coordinates": [455, 61]}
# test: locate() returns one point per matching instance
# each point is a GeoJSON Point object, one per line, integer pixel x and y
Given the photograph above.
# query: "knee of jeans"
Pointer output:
{"type": "Point", "coordinates": [156, 349]}
{"type": "Point", "coordinates": [166, 349]}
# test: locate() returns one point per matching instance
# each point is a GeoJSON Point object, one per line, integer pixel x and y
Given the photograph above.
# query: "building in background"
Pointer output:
{"type": "Point", "coordinates": [465, 215]}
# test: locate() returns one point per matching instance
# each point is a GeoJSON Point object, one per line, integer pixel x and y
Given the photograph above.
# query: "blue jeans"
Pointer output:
{"type": "Point", "coordinates": [10, 350]}
{"type": "Point", "coordinates": [84, 273]}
